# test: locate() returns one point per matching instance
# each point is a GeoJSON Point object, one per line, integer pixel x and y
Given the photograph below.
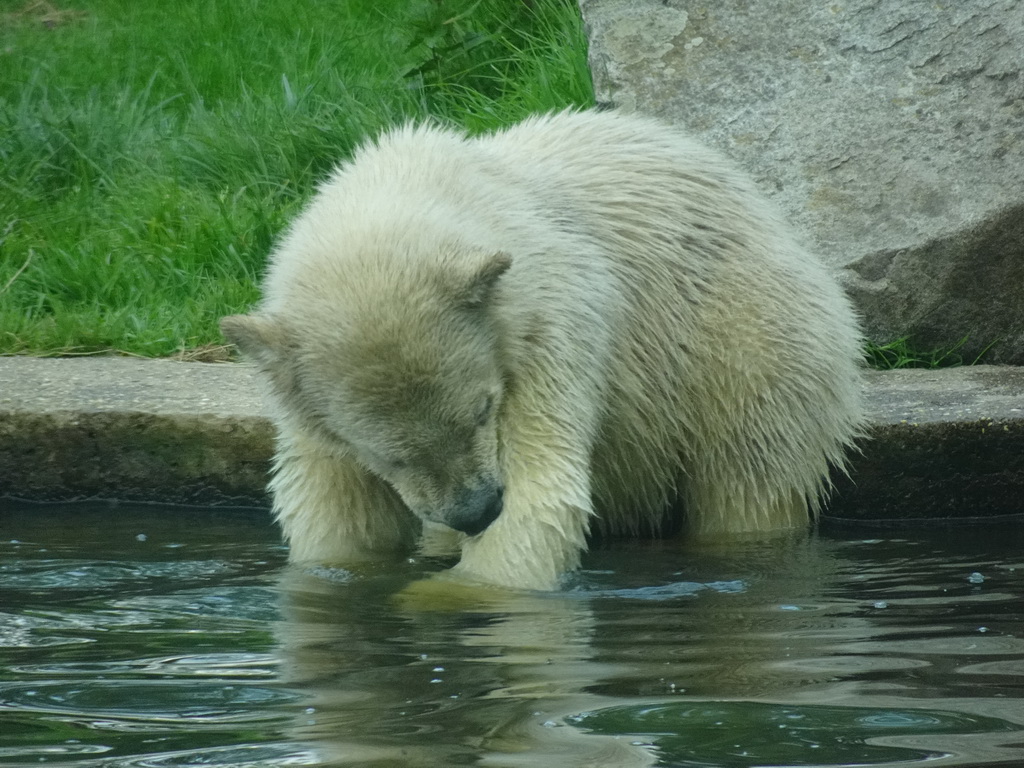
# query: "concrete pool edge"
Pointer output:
{"type": "Point", "coordinates": [943, 444]}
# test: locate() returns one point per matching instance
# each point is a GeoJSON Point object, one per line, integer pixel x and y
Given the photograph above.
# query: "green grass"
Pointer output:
{"type": "Point", "coordinates": [150, 152]}
{"type": "Point", "coordinates": [902, 353]}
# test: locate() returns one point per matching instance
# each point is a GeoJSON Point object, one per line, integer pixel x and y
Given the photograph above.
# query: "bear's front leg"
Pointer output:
{"type": "Point", "coordinates": [547, 426]}
{"type": "Point", "coordinates": [331, 510]}
{"type": "Point", "coordinates": [523, 553]}
{"type": "Point", "coordinates": [541, 531]}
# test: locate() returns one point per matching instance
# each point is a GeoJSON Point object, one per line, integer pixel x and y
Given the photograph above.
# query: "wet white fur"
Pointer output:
{"type": "Point", "coordinates": [665, 337]}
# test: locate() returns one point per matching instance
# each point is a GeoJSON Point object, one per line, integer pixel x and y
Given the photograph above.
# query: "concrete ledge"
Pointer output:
{"type": "Point", "coordinates": [944, 444]}
{"type": "Point", "coordinates": [132, 429]}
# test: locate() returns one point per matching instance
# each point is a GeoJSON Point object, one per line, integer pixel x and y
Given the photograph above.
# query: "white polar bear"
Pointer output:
{"type": "Point", "coordinates": [587, 322]}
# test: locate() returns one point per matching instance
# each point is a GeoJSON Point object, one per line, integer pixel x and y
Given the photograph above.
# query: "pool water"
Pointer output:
{"type": "Point", "coordinates": [141, 636]}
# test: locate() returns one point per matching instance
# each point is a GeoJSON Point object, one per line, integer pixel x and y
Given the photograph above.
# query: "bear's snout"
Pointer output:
{"type": "Point", "coordinates": [478, 508]}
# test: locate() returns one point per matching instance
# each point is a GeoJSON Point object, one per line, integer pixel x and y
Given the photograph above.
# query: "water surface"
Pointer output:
{"type": "Point", "coordinates": [140, 636]}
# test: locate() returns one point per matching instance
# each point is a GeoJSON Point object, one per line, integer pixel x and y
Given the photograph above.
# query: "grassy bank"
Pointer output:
{"type": "Point", "coordinates": [149, 152]}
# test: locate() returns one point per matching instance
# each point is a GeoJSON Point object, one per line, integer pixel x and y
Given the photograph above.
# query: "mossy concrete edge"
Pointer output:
{"type": "Point", "coordinates": [941, 444]}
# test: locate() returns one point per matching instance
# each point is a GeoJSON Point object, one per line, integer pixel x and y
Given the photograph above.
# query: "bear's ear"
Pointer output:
{"type": "Point", "coordinates": [263, 339]}
{"type": "Point", "coordinates": [476, 291]}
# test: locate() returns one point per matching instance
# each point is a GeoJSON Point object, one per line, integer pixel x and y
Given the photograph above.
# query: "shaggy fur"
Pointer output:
{"type": "Point", "coordinates": [586, 322]}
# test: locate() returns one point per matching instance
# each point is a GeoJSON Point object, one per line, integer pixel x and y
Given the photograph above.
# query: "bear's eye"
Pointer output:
{"type": "Point", "coordinates": [485, 411]}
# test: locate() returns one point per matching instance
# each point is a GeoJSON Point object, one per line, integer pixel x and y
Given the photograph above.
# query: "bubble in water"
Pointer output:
{"type": "Point", "coordinates": [976, 578]}
{"type": "Point", "coordinates": [881, 604]}
{"type": "Point", "coordinates": [141, 537]}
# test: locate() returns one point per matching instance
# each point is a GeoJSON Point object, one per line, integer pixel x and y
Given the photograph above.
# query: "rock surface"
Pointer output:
{"type": "Point", "coordinates": [943, 444]}
{"type": "Point", "coordinates": [890, 131]}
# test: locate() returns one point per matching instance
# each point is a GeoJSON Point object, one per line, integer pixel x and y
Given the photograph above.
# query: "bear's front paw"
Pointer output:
{"type": "Point", "coordinates": [450, 591]}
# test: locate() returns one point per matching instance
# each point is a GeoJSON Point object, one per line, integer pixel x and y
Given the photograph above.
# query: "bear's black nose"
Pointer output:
{"type": "Point", "coordinates": [479, 509]}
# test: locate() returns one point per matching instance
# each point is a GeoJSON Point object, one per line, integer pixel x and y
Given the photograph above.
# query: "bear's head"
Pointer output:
{"type": "Point", "coordinates": [399, 370]}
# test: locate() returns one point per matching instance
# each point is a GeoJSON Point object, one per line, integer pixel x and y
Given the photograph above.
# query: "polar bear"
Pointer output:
{"type": "Point", "coordinates": [584, 323]}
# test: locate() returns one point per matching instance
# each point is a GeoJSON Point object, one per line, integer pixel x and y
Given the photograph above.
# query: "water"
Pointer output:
{"type": "Point", "coordinates": [141, 637]}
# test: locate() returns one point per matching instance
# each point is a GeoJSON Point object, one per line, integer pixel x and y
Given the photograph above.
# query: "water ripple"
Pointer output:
{"type": "Point", "coordinates": [751, 733]}
{"type": "Point", "coordinates": [193, 702]}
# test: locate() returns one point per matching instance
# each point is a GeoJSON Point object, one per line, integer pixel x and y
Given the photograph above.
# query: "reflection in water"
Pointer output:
{"type": "Point", "coordinates": [493, 681]}
{"type": "Point", "coordinates": [169, 638]}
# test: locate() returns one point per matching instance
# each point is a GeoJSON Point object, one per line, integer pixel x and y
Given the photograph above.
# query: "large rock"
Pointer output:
{"type": "Point", "coordinates": [890, 131]}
